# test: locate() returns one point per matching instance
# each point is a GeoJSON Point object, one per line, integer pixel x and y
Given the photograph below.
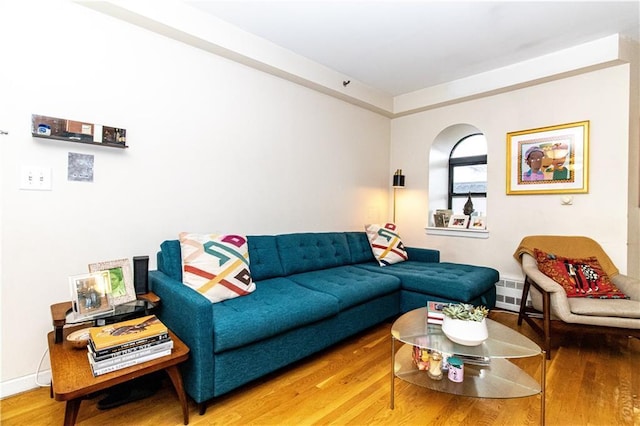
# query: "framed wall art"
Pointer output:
{"type": "Point", "coordinates": [549, 160]}
{"type": "Point", "coordinates": [122, 288]}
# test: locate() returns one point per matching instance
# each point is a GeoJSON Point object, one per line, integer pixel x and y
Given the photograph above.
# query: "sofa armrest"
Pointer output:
{"type": "Point", "coordinates": [628, 285]}
{"type": "Point", "coordinates": [423, 254]}
{"type": "Point", "coordinates": [190, 316]}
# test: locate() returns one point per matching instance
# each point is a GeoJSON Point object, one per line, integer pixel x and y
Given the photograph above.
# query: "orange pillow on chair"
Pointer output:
{"type": "Point", "coordinates": [578, 277]}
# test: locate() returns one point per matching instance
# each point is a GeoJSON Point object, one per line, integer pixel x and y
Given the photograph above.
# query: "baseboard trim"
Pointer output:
{"type": "Point", "coordinates": [24, 384]}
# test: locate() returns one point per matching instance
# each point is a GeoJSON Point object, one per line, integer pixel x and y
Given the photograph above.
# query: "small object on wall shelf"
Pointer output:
{"type": "Point", "coordinates": [77, 131]}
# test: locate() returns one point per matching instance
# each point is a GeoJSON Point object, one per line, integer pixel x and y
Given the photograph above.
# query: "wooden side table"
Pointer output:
{"type": "Point", "coordinates": [72, 379]}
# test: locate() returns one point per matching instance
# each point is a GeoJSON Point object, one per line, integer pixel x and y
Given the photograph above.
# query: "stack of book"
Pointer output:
{"type": "Point", "coordinates": [434, 312]}
{"type": "Point", "coordinates": [120, 345]}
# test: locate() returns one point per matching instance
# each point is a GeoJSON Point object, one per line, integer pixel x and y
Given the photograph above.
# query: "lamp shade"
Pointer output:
{"type": "Point", "coordinates": [398, 179]}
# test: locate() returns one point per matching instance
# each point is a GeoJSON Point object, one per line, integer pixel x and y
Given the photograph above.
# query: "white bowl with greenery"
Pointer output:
{"type": "Point", "coordinates": [465, 324]}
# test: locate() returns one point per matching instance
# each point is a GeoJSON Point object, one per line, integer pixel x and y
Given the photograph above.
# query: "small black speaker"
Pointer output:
{"type": "Point", "coordinates": [141, 274]}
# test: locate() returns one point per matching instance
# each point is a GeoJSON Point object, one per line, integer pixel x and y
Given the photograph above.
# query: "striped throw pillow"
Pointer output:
{"type": "Point", "coordinates": [216, 266]}
{"type": "Point", "coordinates": [386, 243]}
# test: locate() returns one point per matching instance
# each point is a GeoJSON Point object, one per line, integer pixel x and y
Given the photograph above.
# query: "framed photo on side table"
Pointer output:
{"type": "Point", "coordinates": [460, 221]}
{"type": "Point", "coordinates": [549, 160]}
{"type": "Point", "coordinates": [90, 294]}
{"type": "Point", "coordinates": [122, 288]}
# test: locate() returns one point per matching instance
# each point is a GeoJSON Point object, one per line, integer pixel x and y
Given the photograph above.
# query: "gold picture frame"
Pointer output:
{"type": "Point", "coordinates": [122, 287]}
{"type": "Point", "coordinates": [549, 160]}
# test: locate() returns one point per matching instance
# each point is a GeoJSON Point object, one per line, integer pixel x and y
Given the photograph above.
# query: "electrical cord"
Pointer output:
{"type": "Point", "coordinates": [42, 385]}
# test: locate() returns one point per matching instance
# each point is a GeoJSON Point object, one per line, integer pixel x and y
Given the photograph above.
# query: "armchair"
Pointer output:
{"type": "Point", "coordinates": [613, 316]}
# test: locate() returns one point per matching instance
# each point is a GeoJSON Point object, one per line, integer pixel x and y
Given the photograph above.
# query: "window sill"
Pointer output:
{"type": "Point", "coordinates": [452, 232]}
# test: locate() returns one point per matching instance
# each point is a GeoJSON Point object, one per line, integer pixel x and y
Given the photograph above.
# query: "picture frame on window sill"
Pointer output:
{"type": "Point", "coordinates": [478, 222]}
{"type": "Point", "coordinates": [90, 294]}
{"type": "Point", "coordinates": [549, 160]}
{"type": "Point", "coordinates": [458, 221]}
{"type": "Point", "coordinates": [122, 287]}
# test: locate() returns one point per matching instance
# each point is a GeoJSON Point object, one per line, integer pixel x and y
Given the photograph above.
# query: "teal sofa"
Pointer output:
{"type": "Point", "coordinates": [312, 291]}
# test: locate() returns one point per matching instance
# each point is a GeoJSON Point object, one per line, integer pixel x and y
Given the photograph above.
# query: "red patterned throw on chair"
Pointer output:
{"type": "Point", "coordinates": [578, 277]}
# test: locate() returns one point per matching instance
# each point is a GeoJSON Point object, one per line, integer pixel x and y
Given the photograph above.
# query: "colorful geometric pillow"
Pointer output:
{"type": "Point", "coordinates": [216, 266]}
{"type": "Point", "coordinates": [386, 244]}
{"type": "Point", "coordinates": [578, 277]}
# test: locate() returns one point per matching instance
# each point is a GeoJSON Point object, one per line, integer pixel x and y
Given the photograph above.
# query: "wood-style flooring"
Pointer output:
{"type": "Point", "coordinates": [591, 380]}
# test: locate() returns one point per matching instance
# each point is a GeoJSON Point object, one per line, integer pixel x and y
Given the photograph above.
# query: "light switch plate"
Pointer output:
{"type": "Point", "coordinates": [35, 178]}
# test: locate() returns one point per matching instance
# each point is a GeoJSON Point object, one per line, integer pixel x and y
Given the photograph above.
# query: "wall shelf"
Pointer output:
{"type": "Point", "coordinates": [451, 232]}
{"type": "Point", "coordinates": [61, 129]}
{"type": "Point", "coordinates": [86, 142]}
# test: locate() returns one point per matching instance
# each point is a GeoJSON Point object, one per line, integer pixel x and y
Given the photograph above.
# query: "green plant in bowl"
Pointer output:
{"type": "Point", "coordinates": [466, 312]}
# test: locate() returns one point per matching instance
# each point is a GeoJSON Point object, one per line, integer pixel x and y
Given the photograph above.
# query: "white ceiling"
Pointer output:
{"type": "Point", "coordinates": [400, 47]}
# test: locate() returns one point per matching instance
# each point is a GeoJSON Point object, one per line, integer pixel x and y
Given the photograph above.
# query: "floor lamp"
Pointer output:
{"type": "Point", "coordinates": [398, 182]}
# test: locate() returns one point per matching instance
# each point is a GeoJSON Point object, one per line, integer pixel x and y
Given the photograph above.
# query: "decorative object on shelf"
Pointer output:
{"type": "Point", "coordinates": [435, 366]}
{"type": "Point", "coordinates": [121, 278]}
{"type": "Point", "coordinates": [441, 217]}
{"type": "Point", "coordinates": [478, 222]}
{"type": "Point", "coordinates": [465, 324]}
{"type": "Point", "coordinates": [77, 131]}
{"type": "Point", "coordinates": [398, 182]}
{"type": "Point", "coordinates": [421, 358]}
{"type": "Point", "coordinates": [456, 369]}
{"type": "Point", "coordinates": [468, 206]}
{"type": "Point", "coordinates": [458, 221]}
{"type": "Point", "coordinates": [549, 160]}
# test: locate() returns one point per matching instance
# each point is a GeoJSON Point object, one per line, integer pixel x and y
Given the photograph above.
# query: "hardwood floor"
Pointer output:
{"type": "Point", "coordinates": [591, 380]}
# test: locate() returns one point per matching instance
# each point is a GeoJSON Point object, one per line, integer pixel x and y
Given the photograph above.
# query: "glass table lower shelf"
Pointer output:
{"type": "Point", "coordinates": [500, 379]}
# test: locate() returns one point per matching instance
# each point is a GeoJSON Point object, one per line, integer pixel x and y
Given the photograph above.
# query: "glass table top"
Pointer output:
{"type": "Point", "coordinates": [503, 342]}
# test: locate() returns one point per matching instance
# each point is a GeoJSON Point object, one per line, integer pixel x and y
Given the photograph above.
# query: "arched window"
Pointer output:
{"type": "Point", "coordinates": [468, 174]}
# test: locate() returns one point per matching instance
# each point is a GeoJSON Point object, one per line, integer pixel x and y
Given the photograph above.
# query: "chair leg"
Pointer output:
{"type": "Point", "coordinates": [545, 330]}
{"type": "Point", "coordinates": [546, 317]}
{"type": "Point", "coordinates": [523, 301]}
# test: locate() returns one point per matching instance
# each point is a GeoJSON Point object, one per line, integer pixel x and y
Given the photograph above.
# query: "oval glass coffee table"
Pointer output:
{"type": "Point", "coordinates": [488, 373]}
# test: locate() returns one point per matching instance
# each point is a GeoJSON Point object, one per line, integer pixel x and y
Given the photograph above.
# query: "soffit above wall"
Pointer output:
{"type": "Point", "coordinates": [179, 21]}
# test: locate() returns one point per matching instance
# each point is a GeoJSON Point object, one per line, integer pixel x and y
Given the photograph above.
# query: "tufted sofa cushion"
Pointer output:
{"type": "Point", "coordinates": [349, 285]}
{"type": "Point", "coordinates": [448, 280]}
{"type": "Point", "coordinates": [312, 251]}
{"type": "Point", "coordinates": [263, 257]}
{"type": "Point", "coordinates": [360, 248]}
{"type": "Point", "coordinates": [277, 305]}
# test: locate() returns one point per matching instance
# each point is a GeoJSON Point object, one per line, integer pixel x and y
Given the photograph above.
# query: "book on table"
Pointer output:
{"type": "Point", "coordinates": [126, 334]}
{"type": "Point", "coordinates": [136, 346]}
{"type": "Point", "coordinates": [127, 343]}
{"type": "Point", "coordinates": [128, 359]}
{"type": "Point", "coordinates": [434, 312]}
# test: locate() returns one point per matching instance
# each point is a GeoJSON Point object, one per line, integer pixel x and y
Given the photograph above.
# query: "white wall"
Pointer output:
{"type": "Point", "coordinates": [214, 146]}
{"type": "Point", "coordinates": [601, 97]}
